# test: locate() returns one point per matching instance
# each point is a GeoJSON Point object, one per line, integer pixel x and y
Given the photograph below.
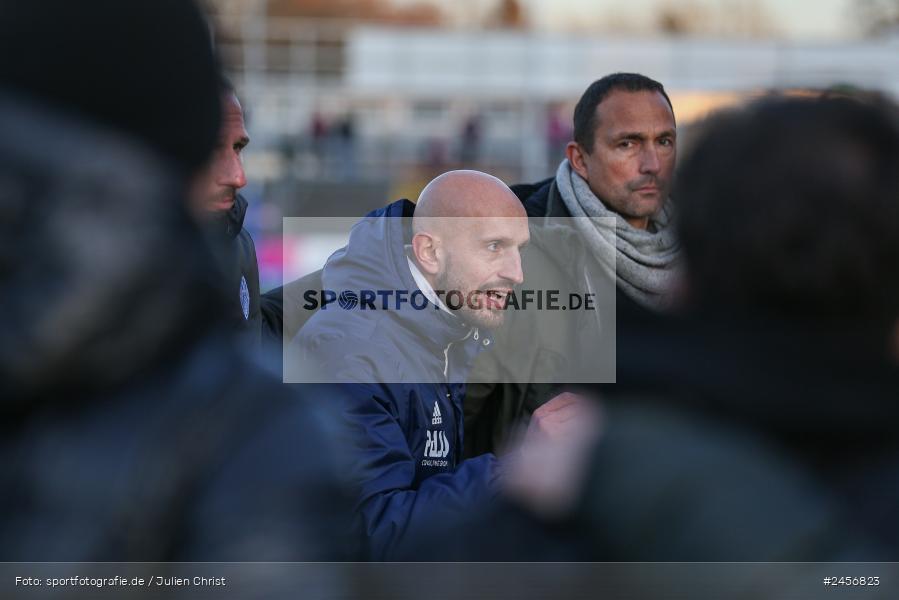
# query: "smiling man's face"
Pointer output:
{"type": "Point", "coordinates": [632, 159]}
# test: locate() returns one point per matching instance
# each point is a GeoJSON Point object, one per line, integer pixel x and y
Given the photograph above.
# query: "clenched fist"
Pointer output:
{"type": "Point", "coordinates": [546, 472]}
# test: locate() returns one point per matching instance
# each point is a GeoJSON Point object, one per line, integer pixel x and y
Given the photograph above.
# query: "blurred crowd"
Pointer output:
{"type": "Point", "coordinates": [750, 416]}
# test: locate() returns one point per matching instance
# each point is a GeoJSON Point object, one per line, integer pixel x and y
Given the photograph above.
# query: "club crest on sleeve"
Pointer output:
{"type": "Point", "coordinates": [244, 297]}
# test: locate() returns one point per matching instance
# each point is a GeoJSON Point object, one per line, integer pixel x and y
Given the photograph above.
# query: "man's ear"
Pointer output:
{"type": "Point", "coordinates": [424, 246]}
{"type": "Point", "coordinates": [575, 155]}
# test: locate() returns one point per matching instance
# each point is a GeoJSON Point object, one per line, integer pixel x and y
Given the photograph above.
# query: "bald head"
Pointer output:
{"type": "Point", "coordinates": [465, 194]}
{"type": "Point", "coordinates": [468, 229]}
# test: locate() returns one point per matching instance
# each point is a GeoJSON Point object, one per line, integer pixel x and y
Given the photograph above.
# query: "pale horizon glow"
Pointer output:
{"type": "Point", "coordinates": [806, 20]}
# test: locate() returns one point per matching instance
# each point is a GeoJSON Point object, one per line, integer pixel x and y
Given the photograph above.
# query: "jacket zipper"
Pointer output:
{"type": "Point", "coordinates": [450, 345]}
{"type": "Point", "coordinates": [449, 394]}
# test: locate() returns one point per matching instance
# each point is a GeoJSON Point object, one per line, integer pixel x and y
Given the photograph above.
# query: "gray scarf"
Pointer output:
{"type": "Point", "coordinates": [645, 259]}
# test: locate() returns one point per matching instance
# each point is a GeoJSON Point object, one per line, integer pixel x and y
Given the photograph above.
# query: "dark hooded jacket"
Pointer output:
{"type": "Point", "coordinates": [541, 199]}
{"type": "Point", "coordinates": [240, 270]}
{"type": "Point", "coordinates": [726, 439]}
{"type": "Point", "coordinates": [404, 372]}
{"type": "Point", "coordinates": [753, 439]}
{"type": "Point", "coordinates": [133, 429]}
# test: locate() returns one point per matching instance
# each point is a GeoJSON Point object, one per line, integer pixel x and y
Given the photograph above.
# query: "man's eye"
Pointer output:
{"type": "Point", "coordinates": [493, 246]}
{"type": "Point", "coordinates": [625, 144]}
{"type": "Point", "coordinates": [666, 142]}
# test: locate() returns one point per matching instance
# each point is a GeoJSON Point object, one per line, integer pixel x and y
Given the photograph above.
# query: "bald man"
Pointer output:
{"type": "Point", "coordinates": [419, 288]}
{"type": "Point", "coordinates": [475, 255]}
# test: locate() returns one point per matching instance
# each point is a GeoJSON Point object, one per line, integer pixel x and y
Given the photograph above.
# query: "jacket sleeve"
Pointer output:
{"type": "Point", "coordinates": [279, 493]}
{"type": "Point", "coordinates": [282, 309]}
{"type": "Point", "coordinates": [271, 305]}
{"type": "Point", "coordinates": [396, 513]}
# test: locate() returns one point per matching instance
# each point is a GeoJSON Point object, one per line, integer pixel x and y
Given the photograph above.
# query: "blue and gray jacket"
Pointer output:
{"type": "Point", "coordinates": [404, 369]}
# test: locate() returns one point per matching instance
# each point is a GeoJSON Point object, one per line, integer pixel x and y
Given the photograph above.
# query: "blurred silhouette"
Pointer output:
{"type": "Point", "coordinates": [343, 158]}
{"type": "Point", "coordinates": [436, 156]}
{"type": "Point", "coordinates": [470, 141]}
{"type": "Point", "coordinates": [318, 133]}
{"type": "Point", "coordinates": [759, 424]}
{"type": "Point", "coordinates": [134, 427]}
{"type": "Point", "coordinates": [558, 133]}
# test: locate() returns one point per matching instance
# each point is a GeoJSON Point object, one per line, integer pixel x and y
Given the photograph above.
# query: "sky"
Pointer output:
{"type": "Point", "coordinates": [790, 19]}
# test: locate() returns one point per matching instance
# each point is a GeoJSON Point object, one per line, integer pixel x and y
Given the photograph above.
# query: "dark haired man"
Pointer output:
{"type": "Point", "coordinates": [757, 421]}
{"type": "Point", "coordinates": [620, 164]}
{"type": "Point", "coordinates": [618, 167]}
{"type": "Point", "coordinates": [762, 419]}
{"type": "Point", "coordinates": [221, 209]}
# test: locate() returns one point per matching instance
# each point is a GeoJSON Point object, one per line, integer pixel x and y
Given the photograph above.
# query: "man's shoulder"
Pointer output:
{"type": "Point", "coordinates": [524, 191]}
{"type": "Point", "coordinates": [541, 199]}
{"type": "Point", "coordinates": [354, 350]}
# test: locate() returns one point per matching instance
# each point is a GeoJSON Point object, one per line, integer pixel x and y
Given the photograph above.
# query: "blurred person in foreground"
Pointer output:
{"type": "Point", "coordinates": [759, 424]}
{"type": "Point", "coordinates": [619, 167]}
{"type": "Point", "coordinates": [455, 257]}
{"type": "Point", "coordinates": [134, 427]}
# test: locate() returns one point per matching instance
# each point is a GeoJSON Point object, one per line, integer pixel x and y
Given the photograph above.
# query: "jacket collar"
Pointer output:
{"type": "Point", "coordinates": [235, 216]}
{"type": "Point", "coordinates": [425, 287]}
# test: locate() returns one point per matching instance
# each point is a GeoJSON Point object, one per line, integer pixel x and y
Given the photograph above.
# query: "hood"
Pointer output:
{"type": "Point", "coordinates": [375, 256]}
{"type": "Point", "coordinates": [103, 272]}
{"type": "Point", "coordinates": [375, 260]}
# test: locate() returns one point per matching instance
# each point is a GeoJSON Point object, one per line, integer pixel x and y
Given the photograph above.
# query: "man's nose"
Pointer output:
{"type": "Point", "coordinates": [235, 176]}
{"type": "Point", "coordinates": [649, 160]}
{"type": "Point", "coordinates": [512, 268]}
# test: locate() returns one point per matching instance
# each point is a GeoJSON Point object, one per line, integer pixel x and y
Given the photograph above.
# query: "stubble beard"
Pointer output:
{"type": "Point", "coordinates": [479, 317]}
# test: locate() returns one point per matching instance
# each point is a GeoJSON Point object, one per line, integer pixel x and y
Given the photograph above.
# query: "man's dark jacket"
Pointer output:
{"type": "Point", "coordinates": [728, 438]}
{"type": "Point", "coordinates": [754, 439]}
{"type": "Point", "coordinates": [541, 199]}
{"type": "Point", "coordinates": [134, 429]}
{"type": "Point", "coordinates": [403, 372]}
{"type": "Point", "coordinates": [240, 270]}
{"type": "Point", "coordinates": [496, 406]}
